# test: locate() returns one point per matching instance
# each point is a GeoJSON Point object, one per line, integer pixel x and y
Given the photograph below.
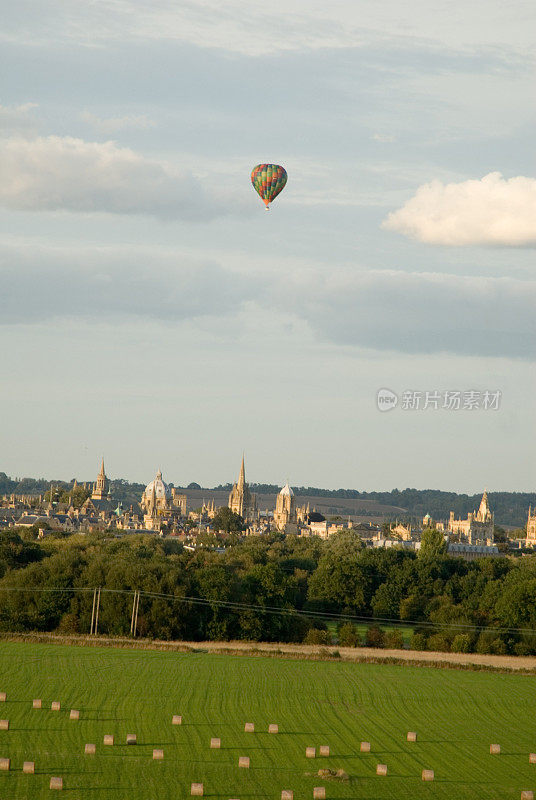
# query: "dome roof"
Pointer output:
{"type": "Point", "coordinates": [286, 490]}
{"type": "Point", "coordinates": [161, 489]}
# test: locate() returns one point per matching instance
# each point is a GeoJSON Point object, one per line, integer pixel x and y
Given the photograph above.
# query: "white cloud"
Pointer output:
{"type": "Point", "coordinates": [110, 125]}
{"type": "Point", "coordinates": [63, 173]}
{"type": "Point", "coordinates": [17, 118]}
{"type": "Point", "coordinates": [490, 211]}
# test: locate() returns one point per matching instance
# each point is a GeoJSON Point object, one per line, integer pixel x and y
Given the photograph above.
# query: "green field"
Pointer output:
{"type": "Point", "coordinates": [457, 714]}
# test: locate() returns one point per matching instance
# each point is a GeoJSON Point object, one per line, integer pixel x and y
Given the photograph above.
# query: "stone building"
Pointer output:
{"type": "Point", "coordinates": [100, 487]}
{"type": "Point", "coordinates": [241, 500]}
{"type": "Point", "coordinates": [100, 502]}
{"type": "Point", "coordinates": [161, 503]}
{"type": "Point", "coordinates": [285, 510]}
{"type": "Point", "coordinates": [478, 527]}
{"type": "Point", "coordinates": [530, 541]}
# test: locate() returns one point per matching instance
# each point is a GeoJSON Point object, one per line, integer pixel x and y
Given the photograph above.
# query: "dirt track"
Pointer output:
{"type": "Point", "coordinates": [358, 654]}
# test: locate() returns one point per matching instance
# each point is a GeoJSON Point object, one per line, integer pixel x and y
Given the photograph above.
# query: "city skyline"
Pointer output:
{"type": "Point", "coordinates": [151, 310]}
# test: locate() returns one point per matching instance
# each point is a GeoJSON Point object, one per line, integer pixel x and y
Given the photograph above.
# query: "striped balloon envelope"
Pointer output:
{"type": "Point", "coordinates": [268, 180]}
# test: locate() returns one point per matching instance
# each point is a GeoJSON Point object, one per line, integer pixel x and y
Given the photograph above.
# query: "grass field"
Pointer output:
{"type": "Point", "coordinates": [457, 714]}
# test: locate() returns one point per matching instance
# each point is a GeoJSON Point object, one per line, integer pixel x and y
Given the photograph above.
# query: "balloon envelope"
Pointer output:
{"type": "Point", "coordinates": [268, 180]}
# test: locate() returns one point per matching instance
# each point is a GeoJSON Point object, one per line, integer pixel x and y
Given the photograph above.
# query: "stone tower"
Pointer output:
{"type": "Point", "coordinates": [100, 488]}
{"type": "Point", "coordinates": [241, 500]}
{"type": "Point", "coordinates": [285, 510]}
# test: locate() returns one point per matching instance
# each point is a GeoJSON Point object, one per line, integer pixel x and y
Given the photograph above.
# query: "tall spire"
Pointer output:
{"type": "Point", "coordinates": [242, 476]}
{"type": "Point", "coordinates": [99, 488]}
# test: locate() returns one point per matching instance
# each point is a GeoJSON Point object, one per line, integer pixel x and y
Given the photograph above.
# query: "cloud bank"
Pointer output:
{"type": "Point", "coordinates": [384, 310]}
{"type": "Point", "coordinates": [490, 211]}
{"type": "Point", "coordinates": [57, 173]}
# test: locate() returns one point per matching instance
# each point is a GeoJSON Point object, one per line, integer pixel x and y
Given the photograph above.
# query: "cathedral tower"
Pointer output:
{"type": "Point", "coordinates": [100, 488]}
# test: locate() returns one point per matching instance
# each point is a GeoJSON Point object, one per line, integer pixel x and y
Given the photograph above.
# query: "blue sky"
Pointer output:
{"type": "Point", "coordinates": [154, 312]}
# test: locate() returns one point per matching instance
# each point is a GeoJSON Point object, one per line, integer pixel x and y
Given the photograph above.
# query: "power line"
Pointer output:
{"type": "Point", "coordinates": [283, 611]}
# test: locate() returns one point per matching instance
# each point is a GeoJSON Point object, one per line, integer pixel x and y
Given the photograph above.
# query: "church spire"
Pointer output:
{"type": "Point", "coordinates": [242, 476]}
{"type": "Point", "coordinates": [100, 487]}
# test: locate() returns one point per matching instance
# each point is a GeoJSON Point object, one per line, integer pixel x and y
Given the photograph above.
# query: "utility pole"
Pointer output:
{"type": "Point", "coordinates": [93, 611]}
{"type": "Point", "coordinates": [135, 609]}
{"type": "Point", "coordinates": [95, 614]}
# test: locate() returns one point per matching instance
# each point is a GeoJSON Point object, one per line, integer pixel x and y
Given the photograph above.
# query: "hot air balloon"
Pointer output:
{"type": "Point", "coordinates": [268, 180]}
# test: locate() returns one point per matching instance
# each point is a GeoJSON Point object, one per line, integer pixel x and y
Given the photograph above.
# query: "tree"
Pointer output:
{"type": "Point", "coordinates": [226, 520]}
{"type": "Point", "coordinates": [433, 544]}
{"type": "Point", "coordinates": [348, 635]}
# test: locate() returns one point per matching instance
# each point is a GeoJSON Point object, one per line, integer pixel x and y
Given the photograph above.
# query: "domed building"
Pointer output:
{"type": "Point", "coordinates": [157, 495]}
{"type": "Point", "coordinates": [161, 503]}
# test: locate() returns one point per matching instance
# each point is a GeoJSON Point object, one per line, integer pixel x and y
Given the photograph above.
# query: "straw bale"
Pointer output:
{"type": "Point", "coordinates": [56, 783]}
{"type": "Point", "coordinates": [273, 728]}
{"type": "Point", "coordinates": [319, 793]}
{"type": "Point", "coordinates": [28, 767]}
{"type": "Point", "coordinates": [427, 775]}
{"type": "Point", "coordinates": [176, 719]}
{"type": "Point", "coordinates": [108, 739]}
{"type": "Point", "coordinates": [243, 761]}
{"type": "Point", "coordinates": [196, 789]}
{"type": "Point", "coordinates": [381, 769]}
{"type": "Point", "coordinates": [36, 704]}
{"type": "Point", "coordinates": [323, 750]}
{"type": "Point", "coordinates": [365, 747]}
{"type": "Point", "coordinates": [310, 752]}
{"type": "Point", "coordinates": [495, 749]}
{"type": "Point", "coordinates": [90, 749]}
{"type": "Point", "coordinates": [249, 727]}
{"type": "Point", "coordinates": [215, 744]}
{"type": "Point", "coordinates": [158, 755]}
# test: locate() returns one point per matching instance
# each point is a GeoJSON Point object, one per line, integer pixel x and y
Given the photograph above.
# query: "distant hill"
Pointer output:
{"type": "Point", "coordinates": [407, 504]}
{"type": "Point", "coordinates": [404, 504]}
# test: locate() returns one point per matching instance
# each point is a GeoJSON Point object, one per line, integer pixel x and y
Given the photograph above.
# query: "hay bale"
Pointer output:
{"type": "Point", "coordinates": [4, 724]}
{"type": "Point", "coordinates": [3, 697]}
{"type": "Point", "coordinates": [36, 704]}
{"type": "Point", "coordinates": [411, 736]}
{"type": "Point", "coordinates": [55, 705]}
{"type": "Point", "coordinates": [249, 727]}
{"type": "Point", "coordinates": [286, 794]}
{"type": "Point", "coordinates": [381, 769]}
{"type": "Point", "coordinates": [526, 794]}
{"type": "Point", "coordinates": [310, 752]}
{"type": "Point", "coordinates": [56, 783]}
{"type": "Point", "coordinates": [323, 750]}
{"type": "Point", "coordinates": [495, 749]}
{"type": "Point", "coordinates": [243, 761]}
{"type": "Point", "coordinates": [319, 793]}
{"type": "Point", "coordinates": [131, 738]}
{"type": "Point", "coordinates": [196, 790]}
{"type": "Point", "coordinates": [215, 744]}
{"type": "Point", "coordinates": [176, 719]}
{"type": "Point", "coordinates": [5, 763]}
{"type": "Point", "coordinates": [427, 775]}
{"type": "Point", "coordinates": [273, 728]}
{"type": "Point", "coordinates": [365, 747]}
{"type": "Point", "coordinates": [90, 749]}
{"type": "Point", "coordinates": [532, 758]}
{"type": "Point", "coordinates": [74, 714]}
{"type": "Point", "coordinates": [108, 739]}
{"type": "Point", "coordinates": [28, 767]}
{"type": "Point", "coordinates": [158, 755]}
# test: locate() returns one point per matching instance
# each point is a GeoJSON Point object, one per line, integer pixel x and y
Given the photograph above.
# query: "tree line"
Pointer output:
{"type": "Point", "coordinates": [269, 588]}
